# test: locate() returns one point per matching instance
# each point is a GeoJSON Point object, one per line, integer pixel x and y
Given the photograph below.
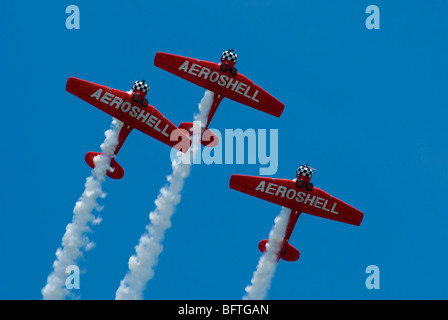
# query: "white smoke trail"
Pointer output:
{"type": "Point", "coordinates": [142, 263]}
{"type": "Point", "coordinates": [75, 238]}
{"type": "Point", "coordinates": [262, 277]}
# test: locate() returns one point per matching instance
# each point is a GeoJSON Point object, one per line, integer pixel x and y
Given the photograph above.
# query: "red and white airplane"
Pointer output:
{"type": "Point", "coordinates": [300, 196]}
{"type": "Point", "coordinates": [133, 110]}
{"type": "Point", "coordinates": [224, 80]}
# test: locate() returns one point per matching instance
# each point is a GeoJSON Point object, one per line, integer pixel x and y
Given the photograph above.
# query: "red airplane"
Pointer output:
{"type": "Point", "coordinates": [133, 110]}
{"type": "Point", "coordinates": [300, 196]}
{"type": "Point", "coordinates": [224, 80]}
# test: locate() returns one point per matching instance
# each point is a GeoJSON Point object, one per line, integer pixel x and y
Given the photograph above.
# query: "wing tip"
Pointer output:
{"type": "Point", "coordinates": [361, 218]}
{"type": "Point", "coordinates": [70, 83]}
{"type": "Point", "coordinates": [234, 182]}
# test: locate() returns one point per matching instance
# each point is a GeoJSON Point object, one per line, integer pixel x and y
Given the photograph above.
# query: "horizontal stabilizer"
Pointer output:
{"type": "Point", "coordinates": [287, 253]}
{"type": "Point", "coordinates": [117, 172]}
{"type": "Point", "coordinates": [209, 139]}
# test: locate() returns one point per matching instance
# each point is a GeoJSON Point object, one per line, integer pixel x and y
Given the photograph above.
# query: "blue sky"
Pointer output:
{"type": "Point", "coordinates": [367, 108]}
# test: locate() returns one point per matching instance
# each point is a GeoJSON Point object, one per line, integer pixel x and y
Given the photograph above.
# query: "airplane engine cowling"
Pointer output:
{"type": "Point", "coordinates": [140, 86]}
{"type": "Point", "coordinates": [304, 171]}
{"type": "Point", "coordinates": [229, 55]}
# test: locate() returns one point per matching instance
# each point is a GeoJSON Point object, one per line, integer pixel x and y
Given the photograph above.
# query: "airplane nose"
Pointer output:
{"type": "Point", "coordinates": [229, 55]}
{"type": "Point", "coordinates": [304, 171]}
{"type": "Point", "coordinates": [141, 86]}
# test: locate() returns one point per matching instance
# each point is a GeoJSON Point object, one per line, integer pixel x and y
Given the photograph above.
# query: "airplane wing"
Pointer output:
{"type": "Point", "coordinates": [321, 204]}
{"type": "Point", "coordinates": [269, 189]}
{"type": "Point", "coordinates": [209, 76]}
{"type": "Point", "coordinates": [284, 192]}
{"type": "Point", "coordinates": [119, 105]}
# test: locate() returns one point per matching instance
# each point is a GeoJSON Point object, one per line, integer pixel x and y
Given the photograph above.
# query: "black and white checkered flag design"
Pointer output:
{"type": "Point", "coordinates": [141, 86]}
{"type": "Point", "coordinates": [229, 55]}
{"type": "Point", "coordinates": [304, 171]}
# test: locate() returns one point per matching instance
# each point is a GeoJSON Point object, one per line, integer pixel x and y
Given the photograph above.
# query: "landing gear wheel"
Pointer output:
{"type": "Point", "coordinates": [233, 71]}
{"type": "Point", "coordinates": [224, 67]}
{"type": "Point", "coordinates": [299, 184]}
{"type": "Point", "coordinates": [135, 97]}
{"type": "Point", "coordinates": [309, 186]}
{"type": "Point", "coordinates": [144, 103]}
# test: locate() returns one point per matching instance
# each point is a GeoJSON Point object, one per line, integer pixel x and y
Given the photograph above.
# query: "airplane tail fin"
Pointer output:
{"type": "Point", "coordinates": [117, 171]}
{"type": "Point", "coordinates": [287, 253]}
{"type": "Point", "coordinates": [208, 139]}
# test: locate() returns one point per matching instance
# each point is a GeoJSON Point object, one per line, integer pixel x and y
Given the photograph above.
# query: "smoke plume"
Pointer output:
{"type": "Point", "coordinates": [75, 239]}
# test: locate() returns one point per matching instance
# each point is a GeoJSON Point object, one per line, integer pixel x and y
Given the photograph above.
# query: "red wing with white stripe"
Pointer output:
{"type": "Point", "coordinates": [210, 76]}
{"type": "Point", "coordinates": [119, 104]}
{"type": "Point", "coordinates": [284, 192]}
